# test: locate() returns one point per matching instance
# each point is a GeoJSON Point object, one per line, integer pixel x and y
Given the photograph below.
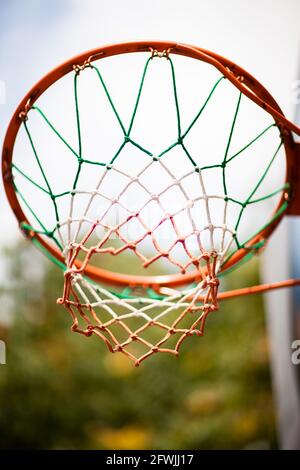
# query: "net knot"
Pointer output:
{"type": "Point", "coordinates": [211, 307]}
{"type": "Point", "coordinates": [89, 330]}
{"type": "Point", "coordinates": [195, 262]}
{"type": "Point", "coordinates": [69, 273]}
{"type": "Point", "coordinates": [214, 282]}
{"type": "Point", "coordinates": [208, 307]}
{"type": "Point", "coordinates": [205, 256]}
{"type": "Point", "coordinates": [133, 337]}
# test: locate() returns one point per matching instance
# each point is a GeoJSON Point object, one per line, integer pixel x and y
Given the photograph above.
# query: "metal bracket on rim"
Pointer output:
{"type": "Point", "coordinates": [294, 207]}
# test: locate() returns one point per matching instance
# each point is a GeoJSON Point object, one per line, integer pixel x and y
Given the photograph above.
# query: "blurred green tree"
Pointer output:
{"type": "Point", "coordinates": [61, 390]}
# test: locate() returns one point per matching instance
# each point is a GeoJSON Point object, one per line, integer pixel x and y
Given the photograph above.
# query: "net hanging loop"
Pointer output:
{"type": "Point", "coordinates": [23, 115]}
{"type": "Point", "coordinates": [160, 54]}
{"type": "Point", "coordinates": [87, 62]}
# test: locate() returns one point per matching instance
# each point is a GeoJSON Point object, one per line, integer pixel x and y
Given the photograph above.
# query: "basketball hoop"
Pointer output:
{"type": "Point", "coordinates": [138, 193]}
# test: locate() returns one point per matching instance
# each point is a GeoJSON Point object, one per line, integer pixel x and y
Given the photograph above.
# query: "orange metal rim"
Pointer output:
{"type": "Point", "coordinates": [247, 84]}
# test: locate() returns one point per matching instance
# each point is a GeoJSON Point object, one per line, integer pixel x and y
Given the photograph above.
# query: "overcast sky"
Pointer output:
{"type": "Point", "coordinates": [260, 35]}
